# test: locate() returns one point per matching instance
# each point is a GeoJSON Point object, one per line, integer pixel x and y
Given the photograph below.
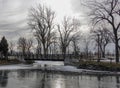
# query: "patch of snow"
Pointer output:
{"type": "Point", "coordinates": [107, 60]}
{"type": "Point", "coordinates": [15, 67]}
{"type": "Point", "coordinates": [64, 68]}
{"type": "Point", "coordinates": [53, 66]}
{"type": "Point", "coordinates": [49, 62]}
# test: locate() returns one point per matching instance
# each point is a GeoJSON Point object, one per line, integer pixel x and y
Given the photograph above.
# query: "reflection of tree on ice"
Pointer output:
{"type": "Point", "coordinates": [43, 80]}
{"type": "Point", "coordinates": [3, 78]}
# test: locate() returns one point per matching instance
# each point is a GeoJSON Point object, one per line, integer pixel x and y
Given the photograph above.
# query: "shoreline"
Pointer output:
{"type": "Point", "coordinates": [84, 72]}
{"type": "Point", "coordinates": [59, 69]}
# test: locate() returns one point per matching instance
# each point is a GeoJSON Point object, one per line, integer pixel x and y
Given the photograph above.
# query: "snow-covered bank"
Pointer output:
{"type": "Point", "coordinates": [49, 62]}
{"type": "Point", "coordinates": [34, 66]}
{"type": "Point", "coordinates": [15, 67]}
{"type": "Point", "coordinates": [71, 69]}
{"type": "Point", "coordinates": [56, 67]}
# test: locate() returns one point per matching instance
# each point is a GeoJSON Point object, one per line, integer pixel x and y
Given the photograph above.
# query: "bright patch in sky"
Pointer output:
{"type": "Point", "coordinates": [61, 7]}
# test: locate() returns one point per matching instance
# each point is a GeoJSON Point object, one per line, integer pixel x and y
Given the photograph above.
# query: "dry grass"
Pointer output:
{"type": "Point", "coordinates": [99, 65]}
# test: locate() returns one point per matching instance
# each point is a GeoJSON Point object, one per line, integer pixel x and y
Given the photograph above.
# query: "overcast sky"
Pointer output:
{"type": "Point", "coordinates": [14, 14]}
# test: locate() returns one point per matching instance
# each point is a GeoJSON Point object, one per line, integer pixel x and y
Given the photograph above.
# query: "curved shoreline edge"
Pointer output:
{"type": "Point", "coordinates": [60, 69]}
{"type": "Point", "coordinates": [83, 72]}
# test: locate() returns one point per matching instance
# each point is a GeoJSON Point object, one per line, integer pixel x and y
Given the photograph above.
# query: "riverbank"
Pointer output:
{"type": "Point", "coordinates": [74, 70]}
{"type": "Point", "coordinates": [57, 67]}
{"type": "Point", "coordinates": [100, 66]}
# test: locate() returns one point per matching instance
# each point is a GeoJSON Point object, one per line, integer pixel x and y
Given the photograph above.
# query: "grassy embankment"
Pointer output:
{"type": "Point", "coordinates": [103, 66]}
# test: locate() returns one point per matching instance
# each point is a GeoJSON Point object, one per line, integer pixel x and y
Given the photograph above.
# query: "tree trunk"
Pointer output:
{"type": "Point", "coordinates": [98, 49]}
{"type": "Point", "coordinates": [116, 51]}
{"type": "Point", "coordinates": [64, 53]}
{"type": "Point", "coordinates": [44, 51]}
{"type": "Point", "coordinates": [23, 51]}
{"type": "Point", "coordinates": [116, 47]}
{"type": "Point", "coordinates": [103, 52]}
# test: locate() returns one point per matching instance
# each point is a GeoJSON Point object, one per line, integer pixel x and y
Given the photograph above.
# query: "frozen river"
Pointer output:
{"type": "Point", "coordinates": [38, 79]}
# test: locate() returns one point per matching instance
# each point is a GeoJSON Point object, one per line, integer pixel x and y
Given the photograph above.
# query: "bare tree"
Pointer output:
{"type": "Point", "coordinates": [67, 31]}
{"type": "Point", "coordinates": [75, 43]}
{"type": "Point", "coordinates": [39, 48]}
{"type": "Point", "coordinates": [22, 44]}
{"type": "Point", "coordinates": [102, 38]}
{"type": "Point", "coordinates": [87, 40]}
{"type": "Point", "coordinates": [54, 46]}
{"type": "Point", "coordinates": [11, 46]}
{"type": "Point", "coordinates": [29, 45]}
{"type": "Point", "coordinates": [41, 20]}
{"type": "Point", "coordinates": [113, 39]}
{"type": "Point", "coordinates": [25, 45]}
{"type": "Point", "coordinates": [107, 11]}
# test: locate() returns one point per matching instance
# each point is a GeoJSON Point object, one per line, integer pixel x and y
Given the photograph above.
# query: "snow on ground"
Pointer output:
{"type": "Point", "coordinates": [23, 66]}
{"type": "Point", "coordinates": [53, 66]}
{"type": "Point", "coordinates": [107, 60]}
{"type": "Point", "coordinates": [49, 63]}
{"type": "Point", "coordinates": [14, 67]}
{"type": "Point", "coordinates": [65, 68]}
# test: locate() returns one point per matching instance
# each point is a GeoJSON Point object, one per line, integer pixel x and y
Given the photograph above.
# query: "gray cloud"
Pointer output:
{"type": "Point", "coordinates": [79, 5]}
{"type": "Point", "coordinates": [14, 13]}
{"type": "Point", "coordinates": [76, 5]}
{"type": "Point", "coordinates": [13, 17]}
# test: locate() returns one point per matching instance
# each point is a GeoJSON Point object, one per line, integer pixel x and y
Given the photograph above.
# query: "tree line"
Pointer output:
{"type": "Point", "coordinates": [3, 48]}
{"type": "Point", "coordinates": [61, 38]}
{"type": "Point", "coordinates": [50, 35]}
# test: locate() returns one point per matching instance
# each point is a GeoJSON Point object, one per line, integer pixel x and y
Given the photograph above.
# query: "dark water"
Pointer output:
{"type": "Point", "coordinates": [38, 79]}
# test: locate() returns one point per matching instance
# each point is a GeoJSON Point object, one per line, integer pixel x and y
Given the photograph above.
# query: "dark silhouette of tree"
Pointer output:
{"type": "Point", "coordinates": [25, 45]}
{"type": "Point", "coordinates": [87, 42]}
{"type": "Point", "coordinates": [41, 20]}
{"type": "Point", "coordinates": [107, 11]}
{"type": "Point", "coordinates": [29, 45]}
{"type": "Point", "coordinates": [11, 46]}
{"type": "Point", "coordinates": [4, 47]}
{"type": "Point", "coordinates": [67, 32]}
{"type": "Point", "coordinates": [104, 39]}
{"type": "Point", "coordinates": [75, 44]}
{"type": "Point", "coordinates": [22, 44]}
